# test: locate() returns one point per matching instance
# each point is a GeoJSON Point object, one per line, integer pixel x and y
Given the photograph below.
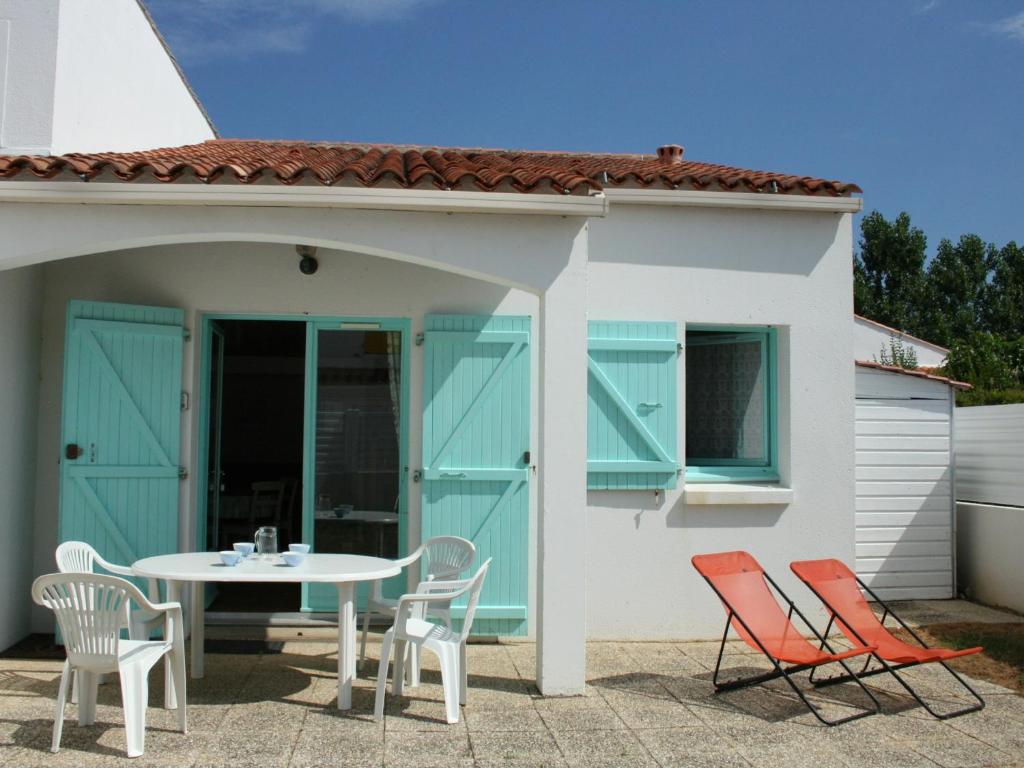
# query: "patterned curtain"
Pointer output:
{"type": "Point", "coordinates": [725, 400]}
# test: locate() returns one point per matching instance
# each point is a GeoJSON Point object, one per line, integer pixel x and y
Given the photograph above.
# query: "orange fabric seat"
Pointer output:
{"type": "Point", "coordinates": [837, 587]}
{"type": "Point", "coordinates": [740, 582]}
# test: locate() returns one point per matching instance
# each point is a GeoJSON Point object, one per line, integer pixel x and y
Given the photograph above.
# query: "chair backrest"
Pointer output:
{"type": "Point", "coordinates": [447, 557]}
{"type": "Point", "coordinates": [477, 584]}
{"type": "Point", "coordinates": [75, 557]}
{"type": "Point", "coordinates": [740, 582]}
{"type": "Point", "coordinates": [836, 585]}
{"type": "Point", "coordinates": [90, 610]}
{"type": "Point", "coordinates": [268, 501]}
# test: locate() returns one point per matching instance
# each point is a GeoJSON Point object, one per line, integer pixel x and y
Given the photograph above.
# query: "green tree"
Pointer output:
{"type": "Point", "coordinates": [1004, 307]}
{"type": "Point", "coordinates": [956, 290]}
{"type": "Point", "coordinates": [889, 271]}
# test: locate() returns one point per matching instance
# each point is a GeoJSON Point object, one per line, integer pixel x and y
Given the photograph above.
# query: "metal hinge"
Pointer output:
{"type": "Point", "coordinates": [184, 401]}
{"type": "Point", "coordinates": [679, 346]}
{"type": "Point", "coordinates": [420, 338]}
{"type": "Point", "coordinates": [182, 473]}
{"type": "Point", "coordinates": [186, 334]}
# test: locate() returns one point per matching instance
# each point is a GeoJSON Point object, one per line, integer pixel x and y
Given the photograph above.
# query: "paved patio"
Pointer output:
{"type": "Point", "coordinates": [647, 704]}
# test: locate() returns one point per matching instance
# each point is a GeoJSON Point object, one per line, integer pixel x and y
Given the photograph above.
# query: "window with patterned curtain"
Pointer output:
{"type": "Point", "coordinates": [730, 404]}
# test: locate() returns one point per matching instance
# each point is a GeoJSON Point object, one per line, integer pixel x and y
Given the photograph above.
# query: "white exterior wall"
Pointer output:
{"type": "Point", "coordinates": [244, 277]}
{"type": "Point", "coordinates": [28, 61]}
{"type": "Point", "coordinates": [88, 76]}
{"type": "Point", "coordinates": [904, 485]}
{"type": "Point", "coordinates": [870, 339]}
{"type": "Point", "coordinates": [988, 542]}
{"type": "Point", "coordinates": [695, 265]}
{"type": "Point", "coordinates": [117, 89]}
{"type": "Point", "coordinates": [20, 304]}
{"type": "Point", "coordinates": [990, 503]}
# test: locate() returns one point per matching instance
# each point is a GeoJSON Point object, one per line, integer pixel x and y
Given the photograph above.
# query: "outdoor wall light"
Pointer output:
{"type": "Point", "coordinates": [308, 264]}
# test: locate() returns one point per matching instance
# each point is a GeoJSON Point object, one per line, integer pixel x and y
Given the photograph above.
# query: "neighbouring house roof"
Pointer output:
{"type": "Point", "coordinates": [921, 373]}
{"type": "Point", "coordinates": [245, 161]}
{"type": "Point", "coordinates": [900, 333]}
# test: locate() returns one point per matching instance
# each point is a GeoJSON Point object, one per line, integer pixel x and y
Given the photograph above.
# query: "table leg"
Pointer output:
{"type": "Point", "coordinates": [198, 628]}
{"type": "Point", "coordinates": [346, 643]}
{"type": "Point", "coordinates": [170, 700]}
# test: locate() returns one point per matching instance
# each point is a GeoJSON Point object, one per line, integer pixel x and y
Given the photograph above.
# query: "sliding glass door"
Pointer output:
{"type": "Point", "coordinates": [355, 465]}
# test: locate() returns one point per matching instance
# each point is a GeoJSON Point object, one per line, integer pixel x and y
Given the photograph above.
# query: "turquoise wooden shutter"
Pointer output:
{"type": "Point", "coordinates": [476, 442]}
{"type": "Point", "coordinates": [631, 408]}
{"type": "Point", "coordinates": [122, 410]}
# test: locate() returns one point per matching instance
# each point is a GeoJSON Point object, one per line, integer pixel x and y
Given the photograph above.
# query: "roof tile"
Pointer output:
{"type": "Point", "coordinates": [290, 162]}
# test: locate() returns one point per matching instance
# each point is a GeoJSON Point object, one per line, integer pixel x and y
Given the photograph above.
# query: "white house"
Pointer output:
{"type": "Point", "coordinates": [594, 365]}
{"type": "Point", "coordinates": [872, 340]}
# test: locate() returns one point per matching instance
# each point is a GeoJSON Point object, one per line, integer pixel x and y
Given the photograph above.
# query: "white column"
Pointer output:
{"type": "Point", "coordinates": [561, 539]}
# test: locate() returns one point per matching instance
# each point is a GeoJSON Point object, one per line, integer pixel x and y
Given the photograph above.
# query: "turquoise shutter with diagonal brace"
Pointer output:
{"type": "Point", "coordinates": [476, 443]}
{"type": "Point", "coordinates": [631, 410]}
{"type": "Point", "coordinates": [121, 426]}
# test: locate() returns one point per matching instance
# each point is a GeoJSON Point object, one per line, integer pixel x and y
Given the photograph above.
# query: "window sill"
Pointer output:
{"type": "Point", "coordinates": [736, 494]}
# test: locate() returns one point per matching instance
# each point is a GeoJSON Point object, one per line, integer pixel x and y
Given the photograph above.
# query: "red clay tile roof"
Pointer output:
{"type": "Point", "coordinates": [921, 373]}
{"type": "Point", "coordinates": [489, 170]}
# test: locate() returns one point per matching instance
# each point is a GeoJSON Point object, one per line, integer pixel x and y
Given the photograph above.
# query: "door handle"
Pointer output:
{"type": "Point", "coordinates": [453, 474]}
{"type": "Point", "coordinates": [73, 451]}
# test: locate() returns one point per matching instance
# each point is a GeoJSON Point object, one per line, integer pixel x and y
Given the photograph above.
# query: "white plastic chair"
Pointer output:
{"type": "Point", "coordinates": [446, 558]}
{"type": "Point", "coordinates": [411, 629]}
{"type": "Point", "coordinates": [91, 610]}
{"type": "Point", "coordinates": [79, 557]}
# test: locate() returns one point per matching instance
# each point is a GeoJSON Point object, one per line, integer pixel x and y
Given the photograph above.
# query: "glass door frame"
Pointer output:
{"type": "Point", "coordinates": [314, 324]}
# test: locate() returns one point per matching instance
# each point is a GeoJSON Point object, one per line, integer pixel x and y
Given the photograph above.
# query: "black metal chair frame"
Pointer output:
{"type": "Point", "coordinates": [779, 670]}
{"type": "Point", "coordinates": [893, 668]}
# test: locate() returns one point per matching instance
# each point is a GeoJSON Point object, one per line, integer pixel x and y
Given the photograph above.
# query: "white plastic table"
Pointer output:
{"type": "Point", "coordinates": [343, 571]}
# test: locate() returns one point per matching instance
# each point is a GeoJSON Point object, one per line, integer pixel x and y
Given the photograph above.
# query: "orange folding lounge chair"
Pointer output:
{"type": "Point", "coordinates": [840, 590]}
{"type": "Point", "coordinates": [752, 610]}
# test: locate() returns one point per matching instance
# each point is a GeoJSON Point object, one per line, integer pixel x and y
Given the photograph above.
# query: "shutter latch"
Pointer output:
{"type": "Point", "coordinates": [182, 473]}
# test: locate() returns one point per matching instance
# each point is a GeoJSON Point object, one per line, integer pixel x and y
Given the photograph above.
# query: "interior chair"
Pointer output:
{"type": "Point", "coordinates": [411, 629]}
{"type": "Point", "coordinates": [444, 557]}
{"type": "Point", "coordinates": [753, 611]}
{"type": "Point", "coordinates": [91, 609]}
{"type": "Point", "coordinates": [843, 595]}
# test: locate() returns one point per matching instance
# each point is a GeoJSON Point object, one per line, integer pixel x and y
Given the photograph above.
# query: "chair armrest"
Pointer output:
{"type": "Point", "coordinates": [120, 570]}
{"type": "Point", "coordinates": [410, 558]}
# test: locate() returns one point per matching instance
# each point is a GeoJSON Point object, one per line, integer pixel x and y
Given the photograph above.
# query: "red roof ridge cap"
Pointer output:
{"type": "Point", "coordinates": [918, 372]}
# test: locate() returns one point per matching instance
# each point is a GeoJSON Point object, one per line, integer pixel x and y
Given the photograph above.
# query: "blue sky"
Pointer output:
{"type": "Point", "coordinates": [921, 102]}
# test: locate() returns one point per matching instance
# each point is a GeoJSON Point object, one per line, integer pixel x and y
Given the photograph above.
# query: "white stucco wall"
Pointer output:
{"type": "Point", "coordinates": [790, 270]}
{"type": "Point", "coordinates": [870, 338]}
{"type": "Point", "coordinates": [20, 313]}
{"type": "Point", "coordinates": [116, 87]}
{"type": "Point", "coordinates": [87, 76]}
{"type": "Point", "coordinates": [245, 277]}
{"type": "Point", "coordinates": [28, 60]}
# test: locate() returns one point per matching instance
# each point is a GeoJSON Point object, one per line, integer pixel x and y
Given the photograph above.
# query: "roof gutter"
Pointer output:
{"type": "Point", "coordinates": [277, 196]}
{"type": "Point", "coordinates": [755, 200]}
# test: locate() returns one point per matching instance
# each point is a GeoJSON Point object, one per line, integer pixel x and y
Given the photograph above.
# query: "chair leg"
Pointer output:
{"type": "Point", "coordinates": [88, 682]}
{"type": "Point", "coordinates": [398, 678]}
{"type": "Point", "coordinates": [382, 675]}
{"type": "Point", "coordinates": [134, 699]}
{"type": "Point", "coordinates": [366, 631]}
{"type": "Point", "coordinates": [463, 674]}
{"type": "Point", "coordinates": [412, 675]}
{"type": "Point", "coordinates": [176, 658]}
{"type": "Point", "coordinates": [450, 683]}
{"type": "Point", "coordinates": [74, 686]}
{"type": "Point", "coordinates": [58, 720]}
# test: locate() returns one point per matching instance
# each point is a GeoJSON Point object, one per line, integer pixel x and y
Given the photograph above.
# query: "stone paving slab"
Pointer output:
{"type": "Point", "coordinates": [646, 704]}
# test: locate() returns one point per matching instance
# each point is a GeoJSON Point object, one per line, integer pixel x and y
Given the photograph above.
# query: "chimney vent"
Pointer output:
{"type": "Point", "coordinates": [670, 153]}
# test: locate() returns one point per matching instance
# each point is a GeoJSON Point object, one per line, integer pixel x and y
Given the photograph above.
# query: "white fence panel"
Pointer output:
{"type": "Point", "coordinates": [990, 454]}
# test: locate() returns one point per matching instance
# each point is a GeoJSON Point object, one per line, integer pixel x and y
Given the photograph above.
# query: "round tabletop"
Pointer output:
{"type": "Point", "coordinates": [206, 566]}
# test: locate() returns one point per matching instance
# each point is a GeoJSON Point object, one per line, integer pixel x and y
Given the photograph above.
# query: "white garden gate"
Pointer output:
{"type": "Point", "coordinates": [904, 485]}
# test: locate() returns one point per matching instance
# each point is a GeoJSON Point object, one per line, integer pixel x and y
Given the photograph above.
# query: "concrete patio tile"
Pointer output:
{"type": "Point", "coordinates": [517, 719]}
{"type": "Point", "coordinates": [603, 748]}
{"type": "Point", "coordinates": [578, 714]}
{"type": "Point", "coordinates": [647, 711]}
{"type": "Point", "coordinates": [431, 748]}
{"type": "Point", "coordinates": [327, 741]}
{"type": "Point", "coordinates": [515, 748]}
